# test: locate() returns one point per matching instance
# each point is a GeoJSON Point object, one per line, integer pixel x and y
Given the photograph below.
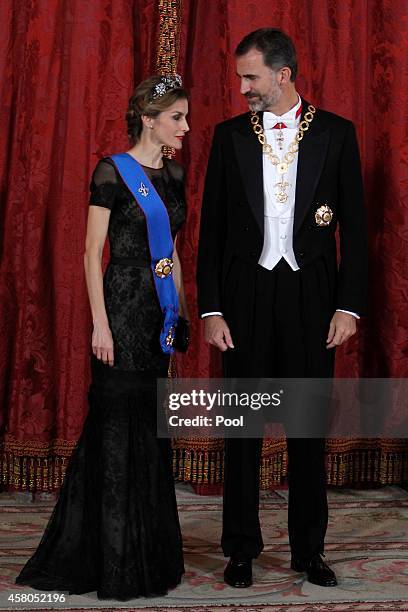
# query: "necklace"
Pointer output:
{"type": "Point", "coordinates": [282, 164]}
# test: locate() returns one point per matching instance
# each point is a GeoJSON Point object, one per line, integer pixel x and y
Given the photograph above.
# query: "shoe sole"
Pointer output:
{"type": "Point", "coordinates": [333, 583]}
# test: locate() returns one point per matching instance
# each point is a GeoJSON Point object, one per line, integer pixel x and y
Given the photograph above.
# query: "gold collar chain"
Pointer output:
{"type": "Point", "coordinates": [282, 165]}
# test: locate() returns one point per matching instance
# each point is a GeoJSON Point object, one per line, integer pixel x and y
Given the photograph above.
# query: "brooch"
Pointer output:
{"type": "Point", "coordinates": [163, 267]}
{"type": "Point", "coordinates": [323, 216]}
{"type": "Point", "coordinates": [143, 190]}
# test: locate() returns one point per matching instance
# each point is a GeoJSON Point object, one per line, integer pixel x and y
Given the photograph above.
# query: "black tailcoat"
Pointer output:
{"type": "Point", "coordinates": [232, 218]}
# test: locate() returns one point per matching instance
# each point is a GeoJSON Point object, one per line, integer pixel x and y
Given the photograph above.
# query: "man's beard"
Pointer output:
{"type": "Point", "coordinates": [261, 103]}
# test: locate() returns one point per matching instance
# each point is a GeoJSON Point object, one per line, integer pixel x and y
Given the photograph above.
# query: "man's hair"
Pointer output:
{"type": "Point", "coordinates": [276, 47]}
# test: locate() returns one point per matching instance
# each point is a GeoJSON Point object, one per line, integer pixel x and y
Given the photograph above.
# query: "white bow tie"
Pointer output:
{"type": "Point", "coordinates": [270, 120]}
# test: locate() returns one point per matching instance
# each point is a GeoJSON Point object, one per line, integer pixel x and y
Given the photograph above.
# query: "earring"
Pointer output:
{"type": "Point", "coordinates": [151, 127]}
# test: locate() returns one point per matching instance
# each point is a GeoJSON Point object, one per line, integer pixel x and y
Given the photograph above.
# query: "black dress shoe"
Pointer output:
{"type": "Point", "coordinates": [238, 572]}
{"type": "Point", "coordinates": [317, 571]}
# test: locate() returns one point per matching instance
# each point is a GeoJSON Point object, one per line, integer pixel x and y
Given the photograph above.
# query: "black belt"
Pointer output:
{"type": "Point", "coordinates": [130, 261]}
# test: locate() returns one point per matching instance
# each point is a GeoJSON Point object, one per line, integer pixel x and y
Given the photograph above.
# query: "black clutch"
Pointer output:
{"type": "Point", "coordinates": [182, 335]}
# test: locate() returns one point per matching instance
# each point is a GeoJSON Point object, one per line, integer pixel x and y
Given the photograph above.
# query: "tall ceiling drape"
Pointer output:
{"type": "Point", "coordinates": [68, 68]}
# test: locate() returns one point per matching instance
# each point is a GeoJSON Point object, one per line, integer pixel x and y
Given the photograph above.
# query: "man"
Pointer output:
{"type": "Point", "coordinates": [271, 294]}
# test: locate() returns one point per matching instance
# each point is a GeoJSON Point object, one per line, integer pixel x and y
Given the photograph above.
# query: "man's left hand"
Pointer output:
{"type": "Point", "coordinates": [342, 327]}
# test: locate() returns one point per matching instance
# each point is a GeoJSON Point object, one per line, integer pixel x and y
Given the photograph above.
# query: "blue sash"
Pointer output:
{"type": "Point", "coordinates": [160, 242]}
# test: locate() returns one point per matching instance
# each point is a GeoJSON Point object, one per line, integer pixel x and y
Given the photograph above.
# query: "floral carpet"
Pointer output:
{"type": "Point", "coordinates": [366, 545]}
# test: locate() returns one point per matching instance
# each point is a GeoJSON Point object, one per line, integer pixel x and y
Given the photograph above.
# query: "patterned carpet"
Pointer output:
{"type": "Point", "coordinates": [367, 546]}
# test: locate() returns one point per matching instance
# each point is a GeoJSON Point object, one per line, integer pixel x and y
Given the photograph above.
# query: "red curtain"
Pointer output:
{"type": "Point", "coordinates": [67, 71]}
{"type": "Point", "coordinates": [353, 60]}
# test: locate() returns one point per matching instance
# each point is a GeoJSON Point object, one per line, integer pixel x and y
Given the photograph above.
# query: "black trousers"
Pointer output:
{"type": "Point", "coordinates": [279, 321]}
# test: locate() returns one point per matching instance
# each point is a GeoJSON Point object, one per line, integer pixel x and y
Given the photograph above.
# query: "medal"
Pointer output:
{"type": "Point", "coordinates": [163, 267]}
{"type": "Point", "coordinates": [323, 216]}
{"type": "Point", "coordinates": [282, 196]}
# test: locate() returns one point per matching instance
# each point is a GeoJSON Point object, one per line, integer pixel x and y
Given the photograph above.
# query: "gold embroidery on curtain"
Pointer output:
{"type": "Point", "coordinates": [350, 462]}
{"type": "Point", "coordinates": [169, 36]}
{"type": "Point", "coordinates": [34, 466]}
{"type": "Point", "coordinates": [168, 47]}
{"type": "Point", "coordinates": [39, 466]}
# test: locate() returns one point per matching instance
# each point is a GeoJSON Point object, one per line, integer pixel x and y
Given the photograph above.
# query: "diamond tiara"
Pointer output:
{"type": "Point", "coordinates": [164, 85]}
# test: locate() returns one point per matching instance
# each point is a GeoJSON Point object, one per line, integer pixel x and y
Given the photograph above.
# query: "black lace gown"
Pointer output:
{"type": "Point", "coordinates": [115, 527]}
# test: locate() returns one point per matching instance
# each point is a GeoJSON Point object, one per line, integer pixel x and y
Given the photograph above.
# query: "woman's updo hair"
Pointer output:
{"type": "Point", "coordinates": [142, 102]}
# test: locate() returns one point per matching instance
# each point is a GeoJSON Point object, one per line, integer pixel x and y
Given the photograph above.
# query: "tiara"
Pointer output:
{"type": "Point", "coordinates": [164, 85]}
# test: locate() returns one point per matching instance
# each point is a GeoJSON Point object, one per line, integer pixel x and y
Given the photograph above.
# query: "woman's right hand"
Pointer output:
{"type": "Point", "coordinates": [102, 343]}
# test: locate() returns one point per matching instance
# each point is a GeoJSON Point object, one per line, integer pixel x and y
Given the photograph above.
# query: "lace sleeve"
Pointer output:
{"type": "Point", "coordinates": [176, 170]}
{"type": "Point", "coordinates": [103, 185]}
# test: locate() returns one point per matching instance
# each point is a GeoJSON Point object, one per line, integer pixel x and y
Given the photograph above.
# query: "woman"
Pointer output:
{"type": "Point", "coordinates": [115, 527]}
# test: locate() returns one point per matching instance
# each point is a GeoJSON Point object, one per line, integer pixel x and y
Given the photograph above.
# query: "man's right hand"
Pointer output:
{"type": "Point", "coordinates": [102, 343]}
{"type": "Point", "coordinates": [217, 333]}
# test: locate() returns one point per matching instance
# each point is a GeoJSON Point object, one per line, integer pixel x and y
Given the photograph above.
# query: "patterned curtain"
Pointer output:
{"type": "Point", "coordinates": [352, 61]}
{"type": "Point", "coordinates": [67, 72]}
{"type": "Point", "coordinates": [68, 69]}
